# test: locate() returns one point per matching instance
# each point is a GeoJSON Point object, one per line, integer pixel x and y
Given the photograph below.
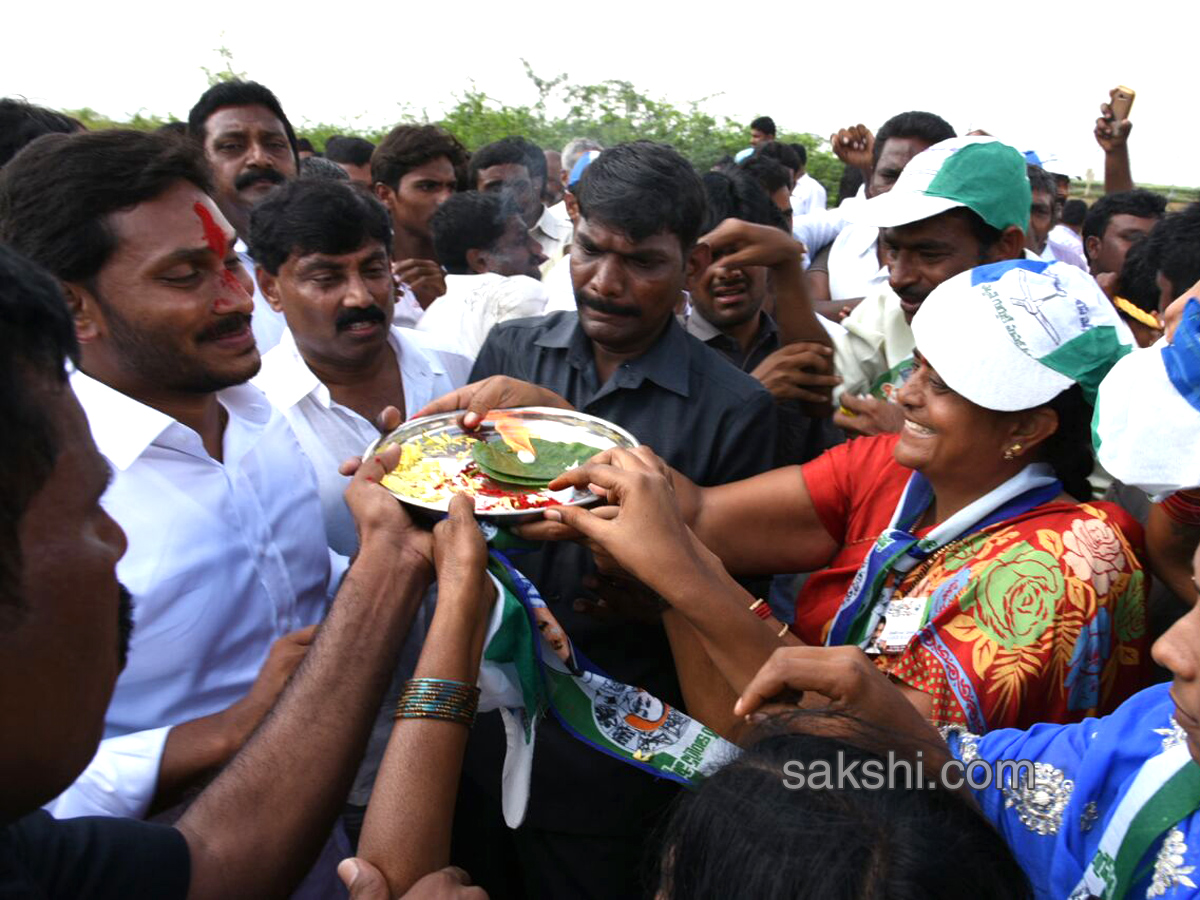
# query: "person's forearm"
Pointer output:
{"type": "Point", "coordinates": [1117, 174]}
{"type": "Point", "coordinates": [195, 751]}
{"type": "Point", "coordinates": [717, 607]}
{"type": "Point", "coordinates": [708, 696]}
{"type": "Point", "coordinates": [258, 827]}
{"type": "Point", "coordinates": [793, 310]}
{"type": "Point", "coordinates": [406, 834]}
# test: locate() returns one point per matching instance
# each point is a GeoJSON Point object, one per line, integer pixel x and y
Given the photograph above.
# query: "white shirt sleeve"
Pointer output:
{"type": "Point", "coordinates": [817, 229]}
{"type": "Point", "coordinates": [119, 781]}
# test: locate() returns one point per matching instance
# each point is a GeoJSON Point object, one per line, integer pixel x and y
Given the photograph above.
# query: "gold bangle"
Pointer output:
{"type": "Point", "coordinates": [784, 630]}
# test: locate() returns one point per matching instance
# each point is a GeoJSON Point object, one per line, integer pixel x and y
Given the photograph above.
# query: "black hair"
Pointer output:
{"type": "Point", "coordinates": [801, 152]}
{"type": "Point", "coordinates": [734, 194]}
{"type": "Point", "coordinates": [754, 830]}
{"type": "Point", "coordinates": [1040, 181]}
{"type": "Point", "coordinates": [1175, 248]}
{"type": "Point", "coordinates": [765, 124]}
{"type": "Point", "coordinates": [37, 337]}
{"type": "Point", "coordinates": [1069, 449]}
{"type": "Point", "coordinates": [1139, 202]}
{"type": "Point", "coordinates": [354, 151]}
{"type": "Point", "coordinates": [317, 168]}
{"type": "Point", "coordinates": [1139, 276]}
{"type": "Point", "coordinates": [408, 147]}
{"type": "Point", "coordinates": [1074, 211]}
{"type": "Point", "coordinates": [237, 93]}
{"type": "Point", "coordinates": [22, 122]}
{"type": "Point", "coordinates": [470, 220]}
{"type": "Point", "coordinates": [56, 194]}
{"type": "Point", "coordinates": [305, 216]}
{"type": "Point", "coordinates": [924, 126]}
{"type": "Point", "coordinates": [175, 129]}
{"type": "Point", "coordinates": [780, 153]}
{"type": "Point", "coordinates": [512, 150]}
{"type": "Point", "coordinates": [304, 145]}
{"type": "Point", "coordinates": [642, 188]}
{"type": "Point", "coordinates": [770, 174]}
{"type": "Point", "coordinates": [851, 181]}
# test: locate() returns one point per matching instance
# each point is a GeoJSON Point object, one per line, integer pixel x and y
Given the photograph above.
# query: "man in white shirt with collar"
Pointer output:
{"type": "Point", "coordinates": [227, 554]}
{"type": "Point", "coordinates": [324, 262]}
{"type": "Point", "coordinates": [518, 167]}
{"type": "Point", "coordinates": [250, 147]}
{"type": "Point", "coordinates": [808, 196]}
{"type": "Point", "coordinates": [492, 263]}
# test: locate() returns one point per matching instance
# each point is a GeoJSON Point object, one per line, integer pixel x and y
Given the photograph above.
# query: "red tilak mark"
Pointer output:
{"type": "Point", "coordinates": [213, 235]}
{"type": "Point", "coordinates": [215, 238]}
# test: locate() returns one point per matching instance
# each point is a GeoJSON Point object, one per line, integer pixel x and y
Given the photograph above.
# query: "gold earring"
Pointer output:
{"type": "Point", "coordinates": [1011, 453]}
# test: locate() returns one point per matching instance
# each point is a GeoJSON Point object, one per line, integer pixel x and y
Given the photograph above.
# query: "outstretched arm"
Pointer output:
{"type": "Point", "coordinates": [407, 829]}
{"type": "Point", "coordinates": [1112, 135]}
{"type": "Point", "coordinates": [257, 828]}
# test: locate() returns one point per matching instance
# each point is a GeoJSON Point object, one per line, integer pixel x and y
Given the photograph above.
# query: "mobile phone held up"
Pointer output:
{"type": "Point", "coordinates": [1122, 102]}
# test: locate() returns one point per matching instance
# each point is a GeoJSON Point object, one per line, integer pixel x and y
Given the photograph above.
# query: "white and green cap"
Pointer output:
{"type": "Point", "coordinates": [1015, 334]}
{"type": "Point", "coordinates": [982, 174]}
{"type": "Point", "coordinates": [1147, 424]}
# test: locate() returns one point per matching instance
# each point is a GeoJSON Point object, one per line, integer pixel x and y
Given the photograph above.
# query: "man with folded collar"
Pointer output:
{"type": "Point", "coordinates": [227, 562]}
{"type": "Point", "coordinates": [625, 358]}
{"type": "Point", "coordinates": [250, 147]}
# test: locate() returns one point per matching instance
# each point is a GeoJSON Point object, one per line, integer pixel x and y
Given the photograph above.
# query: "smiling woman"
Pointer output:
{"type": "Point", "coordinates": [951, 553]}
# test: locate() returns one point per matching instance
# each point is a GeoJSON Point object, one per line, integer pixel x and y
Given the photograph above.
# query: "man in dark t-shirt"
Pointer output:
{"type": "Point", "coordinates": [622, 357]}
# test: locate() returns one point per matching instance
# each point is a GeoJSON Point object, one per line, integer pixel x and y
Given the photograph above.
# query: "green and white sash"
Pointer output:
{"type": "Point", "coordinates": [531, 670]}
{"type": "Point", "coordinates": [1165, 790]}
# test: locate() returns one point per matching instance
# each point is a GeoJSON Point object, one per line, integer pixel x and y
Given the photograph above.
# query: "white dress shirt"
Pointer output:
{"type": "Point", "coordinates": [331, 433]}
{"type": "Point", "coordinates": [808, 196]}
{"type": "Point", "coordinates": [854, 269]}
{"type": "Point", "coordinates": [472, 304]}
{"type": "Point", "coordinates": [266, 323]}
{"type": "Point", "coordinates": [407, 311]}
{"type": "Point", "coordinates": [560, 290]}
{"type": "Point", "coordinates": [223, 558]}
{"type": "Point", "coordinates": [552, 234]}
{"type": "Point", "coordinates": [1067, 246]}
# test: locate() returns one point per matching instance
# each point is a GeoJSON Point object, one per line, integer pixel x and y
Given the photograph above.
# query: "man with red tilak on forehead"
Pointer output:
{"type": "Point", "coordinates": [227, 562]}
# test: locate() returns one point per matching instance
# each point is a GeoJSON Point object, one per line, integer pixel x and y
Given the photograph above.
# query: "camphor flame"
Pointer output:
{"type": "Point", "coordinates": [514, 432]}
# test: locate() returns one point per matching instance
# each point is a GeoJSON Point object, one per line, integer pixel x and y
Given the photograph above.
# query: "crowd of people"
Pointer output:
{"type": "Point", "coordinates": [915, 480]}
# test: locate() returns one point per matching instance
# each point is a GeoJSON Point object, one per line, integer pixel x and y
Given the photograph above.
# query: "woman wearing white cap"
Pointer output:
{"type": "Point", "coordinates": [954, 551]}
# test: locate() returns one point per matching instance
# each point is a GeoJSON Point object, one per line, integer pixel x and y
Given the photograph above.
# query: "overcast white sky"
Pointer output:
{"type": "Point", "coordinates": [1031, 73]}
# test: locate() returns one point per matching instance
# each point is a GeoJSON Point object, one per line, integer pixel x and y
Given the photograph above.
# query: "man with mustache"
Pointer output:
{"type": "Point", "coordinates": [250, 147]}
{"type": "Point", "coordinates": [227, 559]}
{"type": "Point", "coordinates": [324, 261]}
{"type": "Point", "coordinates": [64, 633]}
{"type": "Point", "coordinates": [623, 357]}
{"type": "Point", "coordinates": [959, 204]}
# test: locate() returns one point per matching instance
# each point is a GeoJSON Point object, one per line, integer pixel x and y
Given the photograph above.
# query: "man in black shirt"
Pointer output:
{"type": "Point", "coordinates": [729, 312]}
{"type": "Point", "coordinates": [622, 357]}
{"type": "Point", "coordinates": [64, 628]}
